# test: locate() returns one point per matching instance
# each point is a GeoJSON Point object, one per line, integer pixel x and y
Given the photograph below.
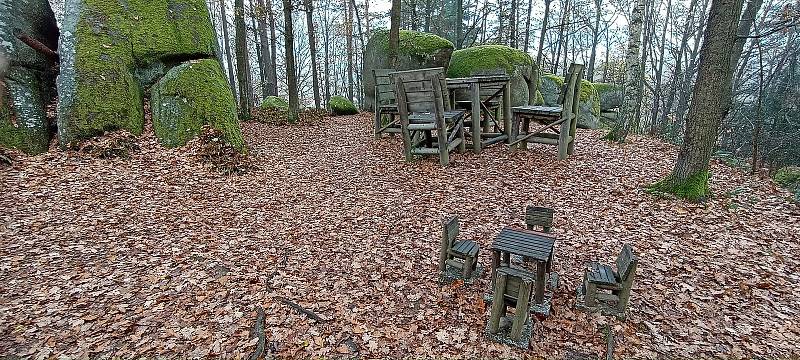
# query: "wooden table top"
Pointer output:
{"type": "Point", "coordinates": [529, 243]}
{"type": "Point", "coordinates": [466, 81]}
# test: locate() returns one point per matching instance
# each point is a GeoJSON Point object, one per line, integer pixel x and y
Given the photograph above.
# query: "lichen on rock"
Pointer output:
{"type": "Point", "coordinates": [417, 50]}
{"type": "Point", "coordinates": [340, 105]}
{"type": "Point", "coordinates": [189, 96]}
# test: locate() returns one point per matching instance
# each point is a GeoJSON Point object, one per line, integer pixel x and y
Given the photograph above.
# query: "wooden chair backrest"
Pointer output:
{"type": "Point", "coordinates": [384, 90]}
{"type": "Point", "coordinates": [450, 230]}
{"type": "Point", "coordinates": [422, 90]}
{"type": "Point", "coordinates": [626, 263]}
{"type": "Point", "coordinates": [539, 216]}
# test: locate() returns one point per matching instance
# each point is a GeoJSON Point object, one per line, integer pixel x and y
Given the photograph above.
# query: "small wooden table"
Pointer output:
{"type": "Point", "coordinates": [473, 84]}
{"type": "Point", "coordinates": [533, 245]}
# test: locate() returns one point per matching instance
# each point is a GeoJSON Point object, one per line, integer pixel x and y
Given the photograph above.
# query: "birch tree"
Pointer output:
{"type": "Point", "coordinates": [628, 120]}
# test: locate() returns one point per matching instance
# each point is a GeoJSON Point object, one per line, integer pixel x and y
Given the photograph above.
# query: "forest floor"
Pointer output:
{"type": "Point", "coordinates": [158, 255]}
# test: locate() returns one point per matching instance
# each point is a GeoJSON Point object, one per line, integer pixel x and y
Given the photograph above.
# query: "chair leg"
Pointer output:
{"type": "Point", "coordinates": [521, 309]}
{"type": "Point", "coordinates": [377, 124]}
{"type": "Point", "coordinates": [462, 148]}
{"type": "Point", "coordinates": [527, 127]}
{"type": "Point", "coordinates": [444, 155]}
{"type": "Point", "coordinates": [407, 142]}
{"type": "Point", "coordinates": [591, 294]}
{"type": "Point", "coordinates": [498, 304]}
{"type": "Point", "coordinates": [467, 270]}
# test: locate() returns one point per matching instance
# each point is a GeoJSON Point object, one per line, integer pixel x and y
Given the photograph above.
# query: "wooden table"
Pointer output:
{"type": "Point", "coordinates": [533, 245]}
{"type": "Point", "coordinates": [473, 84]}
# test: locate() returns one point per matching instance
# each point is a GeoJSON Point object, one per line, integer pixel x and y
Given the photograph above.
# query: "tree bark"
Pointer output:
{"type": "Point", "coordinates": [312, 45]}
{"type": "Point", "coordinates": [273, 45]}
{"type": "Point", "coordinates": [542, 33]}
{"type": "Point", "coordinates": [242, 60]}
{"type": "Point", "coordinates": [459, 31]}
{"type": "Point", "coordinates": [711, 101]}
{"type": "Point", "coordinates": [628, 121]}
{"type": "Point", "coordinates": [394, 33]}
{"type": "Point", "coordinates": [677, 73]}
{"type": "Point", "coordinates": [226, 44]}
{"type": "Point", "coordinates": [291, 71]}
{"type": "Point", "coordinates": [267, 66]}
{"type": "Point", "coordinates": [528, 27]}
{"type": "Point", "coordinates": [657, 90]}
{"type": "Point", "coordinates": [349, 38]}
{"type": "Point", "coordinates": [598, 5]}
{"type": "Point", "coordinates": [512, 25]}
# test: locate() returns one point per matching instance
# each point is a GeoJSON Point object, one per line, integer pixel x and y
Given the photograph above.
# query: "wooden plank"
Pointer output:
{"type": "Point", "coordinates": [498, 305]}
{"type": "Point", "coordinates": [507, 110]}
{"type": "Point", "coordinates": [540, 276]}
{"type": "Point", "coordinates": [475, 90]}
{"type": "Point", "coordinates": [493, 140]}
{"type": "Point", "coordinates": [521, 310]}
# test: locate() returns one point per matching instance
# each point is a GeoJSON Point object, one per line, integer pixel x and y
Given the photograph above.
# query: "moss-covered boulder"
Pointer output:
{"type": "Point", "coordinates": [496, 59]}
{"type": "Point", "coordinates": [418, 50]}
{"type": "Point", "coordinates": [111, 50]}
{"type": "Point", "coordinates": [340, 105]}
{"type": "Point", "coordinates": [26, 79]}
{"type": "Point", "coordinates": [274, 102]}
{"type": "Point", "coordinates": [789, 177]}
{"type": "Point", "coordinates": [189, 96]}
{"type": "Point", "coordinates": [610, 95]}
{"type": "Point", "coordinates": [589, 100]}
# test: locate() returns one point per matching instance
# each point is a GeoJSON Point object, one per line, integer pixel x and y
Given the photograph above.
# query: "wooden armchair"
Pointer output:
{"type": "Point", "coordinates": [610, 287]}
{"type": "Point", "coordinates": [559, 123]}
{"type": "Point", "coordinates": [539, 217]}
{"type": "Point", "coordinates": [422, 103]}
{"type": "Point", "coordinates": [385, 103]}
{"type": "Point", "coordinates": [462, 254]}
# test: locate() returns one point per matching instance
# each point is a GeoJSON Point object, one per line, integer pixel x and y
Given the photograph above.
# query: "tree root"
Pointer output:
{"type": "Point", "coordinates": [301, 310]}
{"type": "Point", "coordinates": [258, 331]}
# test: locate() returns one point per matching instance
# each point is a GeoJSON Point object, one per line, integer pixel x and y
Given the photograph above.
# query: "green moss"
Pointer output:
{"type": "Point", "coordinates": [340, 105]}
{"type": "Point", "coordinates": [588, 93]}
{"type": "Point", "coordinates": [486, 57]}
{"type": "Point", "coordinates": [274, 102]}
{"type": "Point", "coordinates": [539, 98]}
{"type": "Point", "coordinates": [414, 43]}
{"type": "Point", "coordinates": [23, 122]}
{"type": "Point", "coordinates": [694, 188]}
{"type": "Point", "coordinates": [189, 96]}
{"type": "Point", "coordinates": [605, 87]}
{"type": "Point", "coordinates": [558, 80]}
{"type": "Point", "coordinates": [788, 177]}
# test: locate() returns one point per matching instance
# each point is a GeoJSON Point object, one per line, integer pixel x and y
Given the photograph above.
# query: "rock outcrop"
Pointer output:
{"type": "Point", "coordinates": [496, 59]}
{"type": "Point", "coordinates": [26, 76]}
{"type": "Point", "coordinates": [191, 95]}
{"type": "Point", "coordinates": [340, 105]}
{"type": "Point", "coordinates": [113, 51]}
{"type": "Point", "coordinates": [417, 50]}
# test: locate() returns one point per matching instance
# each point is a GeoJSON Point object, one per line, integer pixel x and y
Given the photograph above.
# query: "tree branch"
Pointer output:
{"type": "Point", "coordinates": [38, 46]}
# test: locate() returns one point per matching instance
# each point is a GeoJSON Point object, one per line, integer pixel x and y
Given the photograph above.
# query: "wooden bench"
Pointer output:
{"type": "Point", "coordinates": [537, 217]}
{"type": "Point", "coordinates": [559, 123]}
{"type": "Point", "coordinates": [512, 287]}
{"type": "Point", "coordinates": [422, 102]}
{"type": "Point", "coordinates": [609, 287]}
{"type": "Point", "coordinates": [385, 103]}
{"type": "Point", "coordinates": [461, 254]}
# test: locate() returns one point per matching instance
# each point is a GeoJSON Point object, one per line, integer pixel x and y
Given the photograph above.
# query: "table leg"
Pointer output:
{"type": "Point", "coordinates": [507, 111]}
{"type": "Point", "coordinates": [540, 275]}
{"type": "Point", "coordinates": [475, 95]}
{"type": "Point", "coordinates": [506, 259]}
{"type": "Point", "coordinates": [495, 264]}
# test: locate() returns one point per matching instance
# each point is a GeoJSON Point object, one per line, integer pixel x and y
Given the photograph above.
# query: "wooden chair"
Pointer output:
{"type": "Point", "coordinates": [512, 287]}
{"type": "Point", "coordinates": [490, 107]}
{"type": "Point", "coordinates": [462, 254]}
{"type": "Point", "coordinates": [422, 99]}
{"type": "Point", "coordinates": [537, 217]}
{"type": "Point", "coordinates": [612, 288]}
{"type": "Point", "coordinates": [385, 104]}
{"type": "Point", "coordinates": [559, 123]}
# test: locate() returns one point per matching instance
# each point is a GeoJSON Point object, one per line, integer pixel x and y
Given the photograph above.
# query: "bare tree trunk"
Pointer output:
{"type": "Point", "coordinates": [349, 38]}
{"type": "Point", "coordinates": [657, 91]}
{"type": "Point", "coordinates": [512, 25]}
{"type": "Point", "coordinates": [394, 33]}
{"type": "Point", "coordinates": [628, 121]}
{"type": "Point", "coordinates": [528, 27]}
{"type": "Point", "coordinates": [543, 32]}
{"type": "Point", "coordinates": [291, 71]}
{"type": "Point", "coordinates": [676, 75]}
{"type": "Point", "coordinates": [691, 69]}
{"type": "Point", "coordinates": [743, 30]}
{"type": "Point", "coordinates": [598, 5]}
{"type": "Point", "coordinates": [226, 43]}
{"type": "Point", "coordinates": [327, 57]}
{"type": "Point", "coordinates": [428, 10]}
{"type": "Point", "coordinates": [710, 104]}
{"type": "Point", "coordinates": [561, 32]}
{"type": "Point", "coordinates": [312, 46]}
{"type": "Point", "coordinates": [459, 31]}
{"type": "Point", "coordinates": [759, 116]}
{"type": "Point", "coordinates": [273, 45]}
{"type": "Point", "coordinates": [267, 82]}
{"type": "Point", "coordinates": [259, 56]}
{"type": "Point", "coordinates": [242, 60]}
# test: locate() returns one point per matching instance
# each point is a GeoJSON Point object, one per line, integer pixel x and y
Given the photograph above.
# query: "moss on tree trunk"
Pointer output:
{"type": "Point", "coordinates": [693, 188]}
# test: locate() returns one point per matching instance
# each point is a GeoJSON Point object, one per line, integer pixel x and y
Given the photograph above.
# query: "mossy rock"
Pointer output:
{"type": "Point", "coordinates": [610, 95]}
{"type": "Point", "coordinates": [495, 59]}
{"type": "Point", "coordinates": [28, 76]}
{"type": "Point", "coordinates": [788, 177]}
{"type": "Point", "coordinates": [189, 96]}
{"type": "Point", "coordinates": [274, 102]}
{"type": "Point", "coordinates": [589, 100]}
{"type": "Point", "coordinates": [111, 50]}
{"type": "Point", "coordinates": [340, 105]}
{"type": "Point", "coordinates": [417, 50]}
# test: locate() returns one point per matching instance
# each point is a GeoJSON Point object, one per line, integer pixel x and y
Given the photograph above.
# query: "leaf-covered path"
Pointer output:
{"type": "Point", "coordinates": [156, 255]}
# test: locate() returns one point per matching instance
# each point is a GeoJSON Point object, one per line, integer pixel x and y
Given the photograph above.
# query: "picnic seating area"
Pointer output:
{"type": "Point", "coordinates": [437, 115]}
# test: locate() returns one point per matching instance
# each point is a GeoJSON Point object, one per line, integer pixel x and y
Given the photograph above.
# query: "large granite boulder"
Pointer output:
{"type": "Point", "coordinates": [191, 95]}
{"type": "Point", "coordinates": [610, 95]}
{"type": "Point", "coordinates": [26, 79]}
{"type": "Point", "coordinates": [112, 50]}
{"type": "Point", "coordinates": [418, 50]}
{"type": "Point", "coordinates": [588, 103]}
{"type": "Point", "coordinates": [496, 59]}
